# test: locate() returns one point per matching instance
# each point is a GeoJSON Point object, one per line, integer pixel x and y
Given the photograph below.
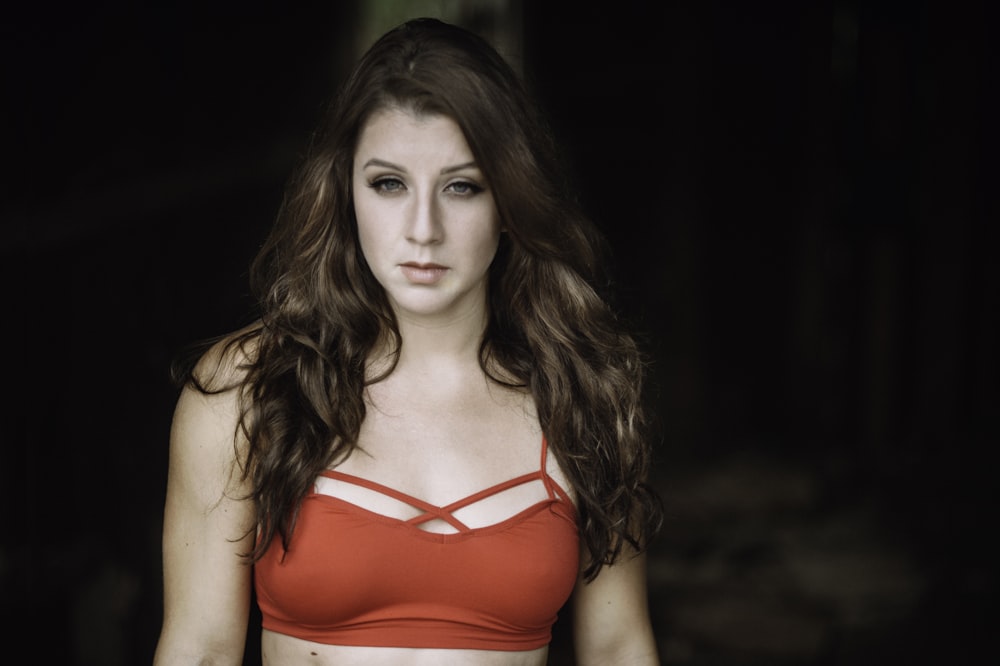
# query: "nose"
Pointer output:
{"type": "Point", "coordinates": [424, 224]}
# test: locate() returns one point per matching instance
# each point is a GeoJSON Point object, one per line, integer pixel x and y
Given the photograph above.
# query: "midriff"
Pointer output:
{"type": "Point", "coordinates": [281, 650]}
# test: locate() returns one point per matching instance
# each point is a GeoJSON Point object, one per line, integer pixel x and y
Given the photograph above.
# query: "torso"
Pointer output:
{"type": "Point", "coordinates": [278, 650]}
{"type": "Point", "coordinates": [438, 441]}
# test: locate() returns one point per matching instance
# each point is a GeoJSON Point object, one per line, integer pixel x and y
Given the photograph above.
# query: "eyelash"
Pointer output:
{"type": "Point", "coordinates": [471, 188]}
{"type": "Point", "coordinates": [381, 185]}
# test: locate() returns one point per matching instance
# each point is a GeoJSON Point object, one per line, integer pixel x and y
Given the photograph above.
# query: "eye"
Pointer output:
{"type": "Point", "coordinates": [386, 185]}
{"type": "Point", "coordinates": [464, 188]}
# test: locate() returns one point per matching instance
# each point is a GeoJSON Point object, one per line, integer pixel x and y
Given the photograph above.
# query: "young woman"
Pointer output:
{"type": "Point", "coordinates": [433, 436]}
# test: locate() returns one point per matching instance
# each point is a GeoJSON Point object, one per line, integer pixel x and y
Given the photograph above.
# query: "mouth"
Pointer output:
{"type": "Point", "coordinates": [419, 266]}
{"type": "Point", "coordinates": [421, 273]}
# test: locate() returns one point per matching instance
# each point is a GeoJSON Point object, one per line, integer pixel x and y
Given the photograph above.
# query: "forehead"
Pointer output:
{"type": "Point", "coordinates": [396, 133]}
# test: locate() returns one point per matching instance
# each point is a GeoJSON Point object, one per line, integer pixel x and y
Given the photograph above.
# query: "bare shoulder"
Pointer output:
{"type": "Point", "coordinates": [206, 442]}
{"type": "Point", "coordinates": [223, 366]}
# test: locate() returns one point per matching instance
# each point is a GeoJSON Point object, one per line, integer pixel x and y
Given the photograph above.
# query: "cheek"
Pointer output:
{"type": "Point", "coordinates": [491, 238]}
{"type": "Point", "coordinates": [493, 245]}
{"type": "Point", "coordinates": [484, 251]}
{"type": "Point", "coordinates": [485, 233]}
{"type": "Point", "coordinates": [369, 247]}
{"type": "Point", "coordinates": [368, 237]}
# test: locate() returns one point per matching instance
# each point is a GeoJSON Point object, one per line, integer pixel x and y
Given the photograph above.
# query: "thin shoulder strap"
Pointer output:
{"type": "Point", "coordinates": [551, 486]}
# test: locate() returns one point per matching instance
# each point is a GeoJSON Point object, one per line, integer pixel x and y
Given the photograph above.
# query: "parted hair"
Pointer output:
{"type": "Point", "coordinates": [551, 328]}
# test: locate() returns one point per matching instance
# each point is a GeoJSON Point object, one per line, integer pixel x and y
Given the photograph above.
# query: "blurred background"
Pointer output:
{"type": "Point", "coordinates": [801, 201]}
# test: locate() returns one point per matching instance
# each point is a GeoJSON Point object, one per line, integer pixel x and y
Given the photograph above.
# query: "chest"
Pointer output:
{"type": "Point", "coordinates": [353, 578]}
{"type": "Point", "coordinates": [438, 443]}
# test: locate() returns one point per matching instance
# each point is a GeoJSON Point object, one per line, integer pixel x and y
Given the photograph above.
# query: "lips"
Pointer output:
{"type": "Point", "coordinates": [423, 274]}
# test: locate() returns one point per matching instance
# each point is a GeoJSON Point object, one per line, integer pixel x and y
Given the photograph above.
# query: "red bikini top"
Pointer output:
{"type": "Point", "coordinates": [352, 576]}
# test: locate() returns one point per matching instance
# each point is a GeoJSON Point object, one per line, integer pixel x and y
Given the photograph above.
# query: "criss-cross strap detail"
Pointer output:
{"type": "Point", "coordinates": [431, 511]}
{"type": "Point", "coordinates": [446, 513]}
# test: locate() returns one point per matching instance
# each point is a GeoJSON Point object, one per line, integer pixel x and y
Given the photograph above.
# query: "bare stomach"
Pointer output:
{"type": "Point", "coordinates": [281, 650]}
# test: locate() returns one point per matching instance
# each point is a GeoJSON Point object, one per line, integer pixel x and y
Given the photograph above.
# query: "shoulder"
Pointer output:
{"type": "Point", "coordinates": [206, 437]}
{"type": "Point", "coordinates": [224, 363]}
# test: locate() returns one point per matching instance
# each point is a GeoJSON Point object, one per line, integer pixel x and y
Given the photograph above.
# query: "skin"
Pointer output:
{"type": "Point", "coordinates": [420, 200]}
{"type": "Point", "coordinates": [436, 428]}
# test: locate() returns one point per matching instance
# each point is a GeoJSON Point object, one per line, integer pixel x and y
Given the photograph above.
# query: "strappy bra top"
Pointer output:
{"type": "Point", "coordinates": [355, 577]}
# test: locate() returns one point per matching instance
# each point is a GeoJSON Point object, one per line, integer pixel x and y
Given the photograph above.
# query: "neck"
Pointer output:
{"type": "Point", "coordinates": [438, 346]}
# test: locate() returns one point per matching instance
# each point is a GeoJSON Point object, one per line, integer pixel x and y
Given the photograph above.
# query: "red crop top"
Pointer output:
{"type": "Point", "coordinates": [355, 577]}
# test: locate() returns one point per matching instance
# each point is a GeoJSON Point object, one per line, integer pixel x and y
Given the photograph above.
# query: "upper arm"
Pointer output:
{"type": "Point", "coordinates": [206, 529]}
{"type": "Point", "coordinates": [611, 623]}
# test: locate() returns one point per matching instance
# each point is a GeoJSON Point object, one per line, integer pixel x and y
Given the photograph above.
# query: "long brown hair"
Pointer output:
{"type": "Point", "coordinates": [550, 326]}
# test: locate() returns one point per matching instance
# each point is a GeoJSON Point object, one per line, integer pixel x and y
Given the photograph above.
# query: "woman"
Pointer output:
{"type": "Point", "coordinates": [433, 436]}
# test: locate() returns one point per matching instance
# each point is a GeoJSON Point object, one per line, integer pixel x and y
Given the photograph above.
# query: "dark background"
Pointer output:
{"type": "Point", "coordinates": [800, 198]}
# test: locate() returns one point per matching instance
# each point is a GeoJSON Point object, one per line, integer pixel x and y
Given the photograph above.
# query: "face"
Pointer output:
{"type": "Point", "coordinates": [427, 222]}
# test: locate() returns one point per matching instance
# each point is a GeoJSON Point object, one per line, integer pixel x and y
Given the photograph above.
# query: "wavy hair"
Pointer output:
{"type": "Point", "coordinates": [550, 331]}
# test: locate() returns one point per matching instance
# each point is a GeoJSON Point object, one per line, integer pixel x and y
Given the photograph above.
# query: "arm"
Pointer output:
{"type": "Point", "coordinates": [206, 598]}
{"type": "Point", "coordinates": [611, 622]}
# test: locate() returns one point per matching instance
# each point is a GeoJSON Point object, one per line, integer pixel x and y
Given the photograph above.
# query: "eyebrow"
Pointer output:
{"type": "Point", "coordinates": [389, 165]}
